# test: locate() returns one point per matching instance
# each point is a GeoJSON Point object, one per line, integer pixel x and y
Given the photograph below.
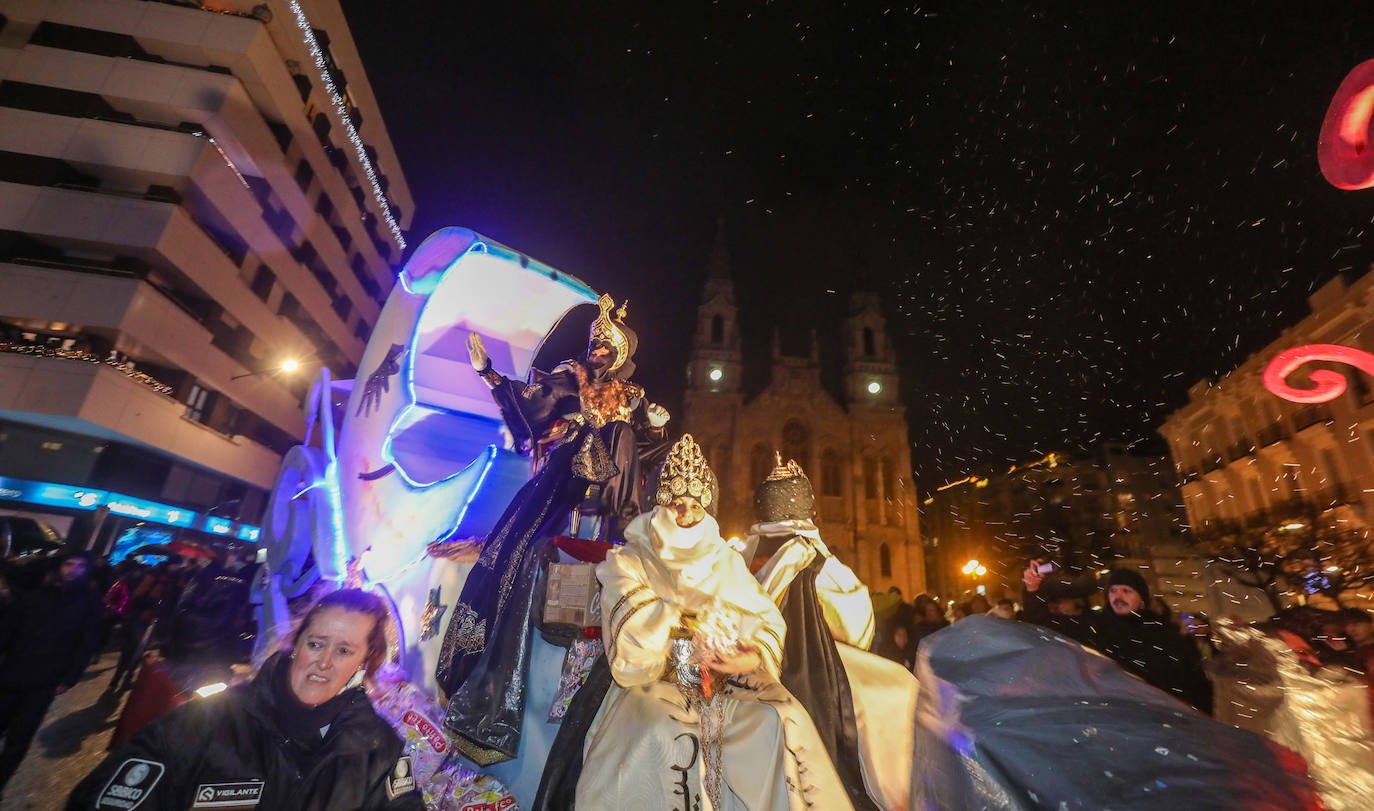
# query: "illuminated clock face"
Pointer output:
{"type": "Point", "coordinates": [715, 375]}
{"type": "Point", "coordinates": [874, 387]}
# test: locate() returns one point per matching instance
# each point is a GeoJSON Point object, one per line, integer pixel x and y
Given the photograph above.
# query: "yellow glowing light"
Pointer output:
{"type": "Point", "coordinates": [980, 571]}
{"type": "Point", "coordinates": [290, 365]}
{"type": "Point", "coordinates": [1292, 525]}
{"type": "Point", "coordinates": [971, 567]}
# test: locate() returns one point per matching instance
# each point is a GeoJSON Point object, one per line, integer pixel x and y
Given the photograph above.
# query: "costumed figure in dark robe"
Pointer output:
{"type": "Point", "coordinates": [695, 717]}
{"type": "Point", "coordinates": [862, 704]}
{"type": "Point", "coordinates": [590, 431]}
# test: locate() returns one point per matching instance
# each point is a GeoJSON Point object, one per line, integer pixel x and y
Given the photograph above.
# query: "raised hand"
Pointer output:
{"type": "Point", "coordinates": [477, 353]}
{"type": "Point", "coordinates": [658, 415]}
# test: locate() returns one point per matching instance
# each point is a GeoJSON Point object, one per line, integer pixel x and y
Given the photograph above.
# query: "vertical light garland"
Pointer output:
{"type": "Point", "coordinates": [341, 108]}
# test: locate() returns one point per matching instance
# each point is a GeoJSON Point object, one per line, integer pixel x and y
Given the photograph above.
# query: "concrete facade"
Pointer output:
{"type": "Point", "coordinates": [189, 197]}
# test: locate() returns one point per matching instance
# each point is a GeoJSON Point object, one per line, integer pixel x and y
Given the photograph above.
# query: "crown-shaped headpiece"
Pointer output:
{"type": "Point", "coordinates": [786, 494]}
{"type": "Point", "coordinates": [686, 473]}
{"type": "Point", "coordinates": [607, 330]}
{"type": "Point", "coordinates": [791, 470]}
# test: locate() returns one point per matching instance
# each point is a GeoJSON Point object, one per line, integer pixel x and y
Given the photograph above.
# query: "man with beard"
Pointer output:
{"type": "Point", "coordinates": [46, 640]}
{"type": "Point", "coordinates": [1128, 632]}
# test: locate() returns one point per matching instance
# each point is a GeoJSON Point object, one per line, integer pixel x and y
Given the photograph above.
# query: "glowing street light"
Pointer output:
{"type": "Point", "coordinates": [973, 567]}
{"type": "Point", "coordinates": [286, 367]}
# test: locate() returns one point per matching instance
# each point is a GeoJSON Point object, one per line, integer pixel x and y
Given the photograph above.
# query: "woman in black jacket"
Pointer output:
{"type": "Point", "coordinates": [301, 736]}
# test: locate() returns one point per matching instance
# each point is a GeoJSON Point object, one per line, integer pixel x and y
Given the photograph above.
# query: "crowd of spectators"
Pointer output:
{"type": "Point", "coordinates": [1133, 627]}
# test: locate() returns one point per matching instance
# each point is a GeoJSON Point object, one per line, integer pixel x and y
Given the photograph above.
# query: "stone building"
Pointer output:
{"type": "Point", "coordinates": [854, 446]}
{"type": "Point", "coordinates": [1116, 507]}
{"type": "Point", "coordinates": [1250, 461]}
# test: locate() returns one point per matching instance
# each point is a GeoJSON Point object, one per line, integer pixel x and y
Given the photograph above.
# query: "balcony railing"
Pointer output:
{"type": "Point", "coordinates": [1307, 416]}
{"type": "Point", "coordinates": [68, 350]}
{"type": "Point", "coordinates": [1240, 450]}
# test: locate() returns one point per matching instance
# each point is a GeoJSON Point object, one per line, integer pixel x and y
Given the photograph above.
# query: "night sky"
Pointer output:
{"type": "Point", "coordinates": [1073, 213]}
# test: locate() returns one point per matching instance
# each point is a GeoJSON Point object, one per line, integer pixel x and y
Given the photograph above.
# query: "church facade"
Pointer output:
{"type": "Point", "coordinates": [855, 450]}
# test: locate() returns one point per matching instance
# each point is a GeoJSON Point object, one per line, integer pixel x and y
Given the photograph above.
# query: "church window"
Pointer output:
{"type": "Point", "coordinates": [889, 478]}
{"type": "Point", "coordinates": [830, 473]}
{"type": "Point", "coordinates": [795, 439]}
{"type": "Point", "coordinates": [870, 477]}
{"type": "Point", "coordinates": [869, 350]}
{"type": "Point", "coordinates": [760, 464]}
{"type": "Point", "coordinates": [717, 329]}
{"type": "Point", "coordinates": [885, 560]}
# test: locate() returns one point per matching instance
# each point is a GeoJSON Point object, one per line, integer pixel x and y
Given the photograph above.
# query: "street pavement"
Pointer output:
{"type": "Point", "coordinates": [71, 742]}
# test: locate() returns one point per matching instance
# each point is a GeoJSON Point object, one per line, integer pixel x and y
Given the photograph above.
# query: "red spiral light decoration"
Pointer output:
{"type": "Point", "coordinates": [1344, 149]}
{"type": "Point", "coordinates": [1327, 385]}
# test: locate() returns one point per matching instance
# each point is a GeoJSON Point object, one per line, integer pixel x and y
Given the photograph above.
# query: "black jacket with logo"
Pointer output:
{"type": "Point", "coordinates": [229, 752]}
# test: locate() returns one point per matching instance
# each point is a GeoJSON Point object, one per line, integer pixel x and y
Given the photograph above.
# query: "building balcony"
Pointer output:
{"type": "Point", "coordinates": [100, 400]}
{"type": "Point", "coordinates": [1310, 415]}
{"type": "Point", "coordinates": [1240, 450]}
{"type": "Point", "coordinates": [1271, 434]}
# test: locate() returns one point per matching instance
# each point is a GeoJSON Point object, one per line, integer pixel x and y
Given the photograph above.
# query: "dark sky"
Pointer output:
{"type": "Point", "coordinates": [1072, 212]}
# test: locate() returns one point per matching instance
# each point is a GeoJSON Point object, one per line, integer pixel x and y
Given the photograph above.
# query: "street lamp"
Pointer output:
{"type": "Point", "coordinates": [285, 367]}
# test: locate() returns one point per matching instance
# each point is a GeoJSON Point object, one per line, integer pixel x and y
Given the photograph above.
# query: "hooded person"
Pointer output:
{"type": "Point", "coordinates": [1131, 634]}
{"type": "Point", "coordinates": [862, 704]}
{"type": "Point", "coordinates": [590, 431]}
{"type": "Point", "coordinates": [694, 646]}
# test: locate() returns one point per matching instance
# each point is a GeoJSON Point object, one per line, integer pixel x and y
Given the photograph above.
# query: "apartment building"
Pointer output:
{"type": "Point", "coordinates": [199, 207]}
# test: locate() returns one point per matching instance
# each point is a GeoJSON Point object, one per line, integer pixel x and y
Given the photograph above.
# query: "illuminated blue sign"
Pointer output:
{"type": "Point", "coordinates": [219, 526]}
{"type": "Point", "coordinates": [51, 495]}
{"type": "Point", "coordinates": [248, 532]}
{"type": "Point", "coordinates": [150, 511]}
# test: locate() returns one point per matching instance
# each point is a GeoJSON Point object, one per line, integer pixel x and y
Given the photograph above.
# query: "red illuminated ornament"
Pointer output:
{"type": "Point", "coordinates": [1344, 151]}
{"type": "Point", "coordinates": [1326, 384]}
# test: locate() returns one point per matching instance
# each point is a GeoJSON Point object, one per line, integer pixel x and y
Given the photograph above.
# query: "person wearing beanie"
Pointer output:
{"type": "Point", "coordinates": [1130, 633]}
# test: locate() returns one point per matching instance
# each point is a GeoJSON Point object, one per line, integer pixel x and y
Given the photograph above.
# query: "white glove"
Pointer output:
{"type": "Point", "coordinates": [477, 353]}
{"type": "Point", "coordinates": [658, 416]}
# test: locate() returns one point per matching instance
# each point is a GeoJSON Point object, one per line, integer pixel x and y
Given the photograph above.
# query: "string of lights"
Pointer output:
{"type": "Point", "coordinates": [341, 109]}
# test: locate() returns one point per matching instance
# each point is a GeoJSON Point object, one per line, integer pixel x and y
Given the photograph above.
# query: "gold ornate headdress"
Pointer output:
{"type": "Point", "coordinates": [791, 470]}
{"type": "Point", "coordinates": [686, 473]}
{"type": "Point", "coordinates": [608, 331]}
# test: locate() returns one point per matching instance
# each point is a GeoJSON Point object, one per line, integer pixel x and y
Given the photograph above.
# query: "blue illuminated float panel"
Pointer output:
{"type": "Point", "coordinates": [247, 532]}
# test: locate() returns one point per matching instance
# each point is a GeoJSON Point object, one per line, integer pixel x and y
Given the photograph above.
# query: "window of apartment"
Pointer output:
{"type": "Point", "coordinates": [324, 206]}
{"type": "Point", "coordinates": [263, 282]}
{"type": "Point", "coordinates": [304, 174]}
{"type": "Point", "coordinates": [343, 308]}
{"type": "Point", "coordinates": [290, 307]}
{"type": "Point", "coordinates": [197, 403]}
{"type": "Point", "coordinates": [362, 330]}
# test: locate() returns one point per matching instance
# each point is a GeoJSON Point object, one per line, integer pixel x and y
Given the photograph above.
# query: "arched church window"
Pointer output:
{"type": "Point", "coordinates": [869, 350]}
{"type": "Point", "coordinates": [717, 329]}
{"type": "Point", "coordinates": [760, 464]}
{"type": "Point", "coordinates": [870, 477]}
{"type": "Point", "coordinates": [885, 561]}
{"type": "Point", "coordinates": [795, 439]}
{"type": "Point", "coordinates": [830, 473]}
